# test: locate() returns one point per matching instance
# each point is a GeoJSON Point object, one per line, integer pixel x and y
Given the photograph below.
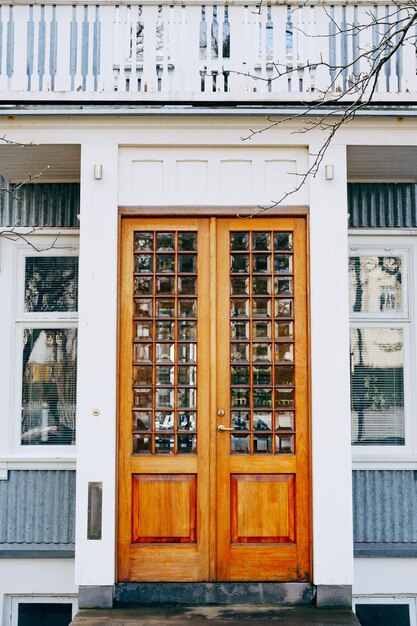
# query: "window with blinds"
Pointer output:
{"type": "Point", "coordinates": [378, 334]}
{"type": "Point", "coordinates": [48, 352]}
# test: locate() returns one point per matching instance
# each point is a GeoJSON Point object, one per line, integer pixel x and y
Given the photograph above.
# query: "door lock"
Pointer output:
{"type": "Point", "coordinates": [220, 412]}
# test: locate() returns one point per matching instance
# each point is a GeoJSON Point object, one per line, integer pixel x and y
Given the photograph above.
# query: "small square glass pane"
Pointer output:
{"type": "Point", "coordinates": [261, 286]}
{"type": "Point", "coordinates": [240, 420]}
{"type": "Point", "coordinates": [143, 308]}
{"type": "Point", "coordinates": [240, 374]}
{"type": "Point", "coordinates": [240, 330]}
{"type": "Point", "coordinates": [262, 397]}
{"type": "Point", "coordinates": [165, 285]}
{"type": "Point", "coordinates": [284, 329]}
{"type": "Point", "coordinates": [284, 420]}
{"type": "Point", "coordinates": [187, 444]}
{"type": "Point", "coordinates": [240, 263]}
{"type": "Point", "coordinates": [262, 444]}
{"type": "Point", "coordinates": [142, 420]}
{"type": "Point", "coordinates": [284, 444]}
{"type": "Point", "coordinates": [187, 285]}
{"type": "Point", "coordinates": [262, 374]}
{"type": "Point", "coordinates": [143, 263]}
{"type": "Point", "coordinates": [164, 331]}
{"type": "Point", "coordinates": [142, 352]}
{"type": "Point", "coordinates": [283, 286]}
{"type": "Point", "coordinates": [239, 307]}
{"type": "Point", "coordinates": [187, 242]}
{"type": "Point", "coordinates": [187, 398]}
{"type": "Point", "coordinates": [165, 398]}
{"type": "Point", "coordinates": [261, 263]}
{"type": "Point", "coordinates": [283, 263]}
{"type": "Point", "coordinates": [165, 241]}
{"type": "Point", "coordinates": [239, 352]}
{"type": "Point", "coordinates": [283, 241]}
{"type": "Point", "coordinates": [262, 420]}
{"type": "Point", "coordinates": [284, 352]}
{"type": "Point", "coordinates": [283, 307]}
{"type": "Point", "coordinates": [142, 375]}
{"type": "Point", "coordinates": [142, 444]}
{"type": "Point", "coordinates": [261, 241]}
{"type": "Point", "coordinates": [239, 241]}
{"type": "Point", "coordinates": [187, 375]}
{"type": "Point", "coordinates": [187, 330]}
{"type": "Point", "coordinates": [187, 263]}
{"type": "Point", "coordinates": [143, 241]}
{"type": "Point", "coordinates": [240, 397]}
{"type": "Point", "coordinates": [143, 330]}
{"type": "Point", "coordinates": [51, 284]}
{"type": "Point", "coordinates": [164, 352]}
{"type": "Point", "coordinates": [187, 352]}
{"type": "Point", "coordinates": [239, 286]}
{"type": "Point", "coordinates": [284, 374]}
{"type": "Point", "coordinates": [165, 308]}
{"type": "Point", "coordinates": [261, 307]}
{"type": "Point", "coordinates": [261, 330]}
{"type": "Point", "coordinates": [187, 308]}
{"type": "Point", "coordinates": [284, 397]}
{"type": "Point", "coordinates": [142, 398]}
{"type": "Point", "coordinates": [187, 420]}
{"type": "Point", "coordinates": [164, 420]}
{"type": "Point", "coordinates": [143, 285]}
{"type": "Point", "coordinates": [239, 444]}
{"type": "Point", "coordinates": [164, 375]}
{"type": "Point", "coordinates": [165, 263]}
{"type": "Point", "coordinates": [261, 352]}
{"type": "Point", "coordinates": [164, 444]}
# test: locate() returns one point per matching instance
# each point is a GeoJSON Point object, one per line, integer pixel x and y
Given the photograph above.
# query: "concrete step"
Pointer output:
{"type": "Point", "coordinates": [216, 615]}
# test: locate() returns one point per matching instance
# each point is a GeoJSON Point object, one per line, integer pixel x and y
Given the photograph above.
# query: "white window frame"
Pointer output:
{"type": "Point", "coordinates": [32, 599]}
{"type": "Point", "coordinates": [13, 255]}
{"type": "Point", "coordinates": [395, 599]}
{"type": "Point", "coordinates": [367, 244]}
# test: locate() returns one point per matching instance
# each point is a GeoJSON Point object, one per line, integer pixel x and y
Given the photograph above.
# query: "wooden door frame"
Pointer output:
{"type": "Point", "coordinates": [136, 212]}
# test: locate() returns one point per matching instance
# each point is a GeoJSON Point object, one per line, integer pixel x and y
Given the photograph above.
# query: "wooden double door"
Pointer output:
{"type": "Point", "coordinates": [213, 412]}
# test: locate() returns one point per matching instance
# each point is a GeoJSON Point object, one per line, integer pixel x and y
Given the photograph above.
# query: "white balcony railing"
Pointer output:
{"type": "Point", "coordinates": [186, 51]}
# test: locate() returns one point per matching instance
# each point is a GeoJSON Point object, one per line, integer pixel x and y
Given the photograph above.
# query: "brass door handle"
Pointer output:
{"type": "Point", "coordinates": [222, 429]}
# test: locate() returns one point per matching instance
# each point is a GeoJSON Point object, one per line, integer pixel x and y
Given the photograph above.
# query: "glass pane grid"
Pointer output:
{"type": "Point", "coordinates": [262, 343]}
{"type": "Point", "coordinates": [165, 343]}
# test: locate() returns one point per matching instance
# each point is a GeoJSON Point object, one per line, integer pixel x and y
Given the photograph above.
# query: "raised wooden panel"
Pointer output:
{"type": "Point", "coordinates": [262, 508]}
{"type": "Point", "coordinates": [164, 508]}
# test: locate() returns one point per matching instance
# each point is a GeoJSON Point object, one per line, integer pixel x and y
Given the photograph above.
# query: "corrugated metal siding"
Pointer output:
{"type": "Point", "coordinates": [385, 506]}
{"type": "Point", "coordinates": [40, 204]}
{"type": "Point", "coordinates": [37, 507]}
{"type": "Point", "coordinates": [382, 205]}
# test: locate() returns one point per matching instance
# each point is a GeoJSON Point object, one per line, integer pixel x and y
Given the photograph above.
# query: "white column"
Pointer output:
{"type": "Point", "coordinates": [96, 439]}
{"type": "Point", "coordinates": [331, 454]}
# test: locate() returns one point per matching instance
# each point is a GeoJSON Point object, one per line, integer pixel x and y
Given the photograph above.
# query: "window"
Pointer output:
{"type": "Point", "coordinates": [384, 611]}
{"type": "Point", "coordinates": [42, 611]}
{"type": "Point", "coordinates": [380, 344]}
{"type": "Point", "coordinates": [47, 346]}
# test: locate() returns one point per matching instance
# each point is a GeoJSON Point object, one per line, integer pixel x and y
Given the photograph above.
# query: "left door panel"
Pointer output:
{"type": "Point", "coordinates": [163, 484]}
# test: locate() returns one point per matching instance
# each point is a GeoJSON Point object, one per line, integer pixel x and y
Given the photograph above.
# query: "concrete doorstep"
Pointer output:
{"type": "Point", "coordinates": [216, 615]}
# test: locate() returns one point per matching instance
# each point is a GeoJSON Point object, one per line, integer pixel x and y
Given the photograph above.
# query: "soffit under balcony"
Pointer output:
{"type": "Point", "coordinates": [382, 163]}
{"type": "Point", "coordinates": [46, 163]}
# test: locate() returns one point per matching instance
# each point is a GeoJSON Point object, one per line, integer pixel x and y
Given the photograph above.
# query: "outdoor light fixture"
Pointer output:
{"type": "Point", "coordinates": [98, 171]}
{"type": "Point", "coordinates": [329, 171]}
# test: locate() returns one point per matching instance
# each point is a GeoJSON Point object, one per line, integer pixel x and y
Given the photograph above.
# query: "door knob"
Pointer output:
{"type": "Point", "coordinates": [222, 428]}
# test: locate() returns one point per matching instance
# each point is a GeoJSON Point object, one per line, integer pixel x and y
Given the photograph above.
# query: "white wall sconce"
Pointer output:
{"type": "Point", "coordinates": [98, 171]}
{"type": "Point", "coordinates": [329, 171]}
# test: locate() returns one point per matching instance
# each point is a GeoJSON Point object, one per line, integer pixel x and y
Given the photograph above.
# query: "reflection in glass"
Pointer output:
{"type": "Point", "coordinates": [142, 375]}
{"type": "Point", "coordinates": [262, 375]}
{"type": "Point", "coordinates": [240, 263]}
{"type": "Point", "coordinates": [187, 352]}
{"type": "Point", "coordinates": [143, 263]}
{"type": "Point", "coordinates": [165, 263]}
{"type": "Point", "coordinates": [261, 286]}
{"type": "Point", "coordinates": [165, 241]}
{"type": "Point", "coordinates": [261, 263]}
{"type": "Point", "coordinates": [142, 398]}
{"type": "Point", "coordinates": [187, 308]}
{"type": "Point", "coordinates": [239, 444]}
{"type": "Point", "coordinates": [143, 330]}
{"type": "Point", "coordinates": [143, 285]}
{"type": "Point", "coordinates": [261, 241]}
{"type": "Point", "coordinates": [261, 307]}
{"type": "Point", "coordinates": [143, 241]}
{"type": "Point", "coordinates": [187, 285]}
{"type": "Point", "coordinates": [187, 398]}
{"type": "Point", "coordinates": [284, 374]}
{"type": "Point", "coordinates": [187, 421]}
{"type": "Point", "coordinates": [284, 444]}
{"type": "Point", "coordinates": [239, 352]}
{"type": "Point", "coordinates": [240, 330]}
{"type": "Point", "coordinates": [239, 397]}
{"type": "Point", "coordinates": [375, 284]}
{"type": "Point", "coordinates": [164, 421]}
{"type": "Point", "coordinates": [262, 444]}
{"type": "Point", "coordinates": [283, 263]}
{"type": "Point", "coordinates": [187, 241]}
{"type": "Point", "coordinates": [284, 419]}
{"type": "Point", "coordinates": [240, 375]}
{"type": "Point", "coordinates": [142, 420]}
{"type": "Point", "coordinates": [261, 352]}
{"type": "Point", "coordinates": [239, 307]}
{"type": "Point", "coordinates": [165, 308]}
{"type": "Point", "coordinates": [240, 420]}
{"type": "Point", "coordinates": [143, 308]}
{"type": "Point", "coordinates": [51, 284]}
{"type": "Point", "coordinates": [261, 330]}
{"type": "Point", "coordinates": [187, 444]}
{"type": "Point", "coordinates": [262, 420]}
{"type": "Point", "coordinates": [187, 330]}
{"type": "Point", "coordinates": [262, 397]}
{"type": "Point", "coordinates": [239, 286]}
{"type": "Point", "coordinates": [165, 285]}
{"type": "Point", "coordinates": [283, 308]}
{"type": "Point", "coordinates": [187, 375]}
{"type": "Point", "coordinates": [164, 330]}
{"type": "Point", "coordinates": [164, 375]}
{"type": "Point", "coordinates": [164, 352]}
{"type": "Point", "coordinates": [187, 263]}
{"type": "Point", "coordinates": [284, 329]}
{"type": "Point", "coordinates": [283, 241]}
{"type": "Point", "coordinates": [239, 241]}
{"type": "Point", "coordinates": [284, 352]}
{"type": "Point", "coordinates": [142, 444]}
{"type": "Point", "coordinates": [284, 397]}
{"type": "Point", "coordinates": [283, 286]}
{"type": "Point", "coordinates": [142, 352]}
{"type": "Point", "coordinates": [164, 398]}
{"type": "Point", "coordinates": [164, 444]}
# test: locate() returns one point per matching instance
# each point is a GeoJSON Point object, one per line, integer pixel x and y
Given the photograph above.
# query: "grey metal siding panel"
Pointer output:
{"type": "Point", "coordinates": [385, 509]}
{"type": "Point", "coordinates": [37, 507]}
{"type": "Point", "coordinates": [382, 205]}
{"type": "Point", "coordinates": [40, 204]}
